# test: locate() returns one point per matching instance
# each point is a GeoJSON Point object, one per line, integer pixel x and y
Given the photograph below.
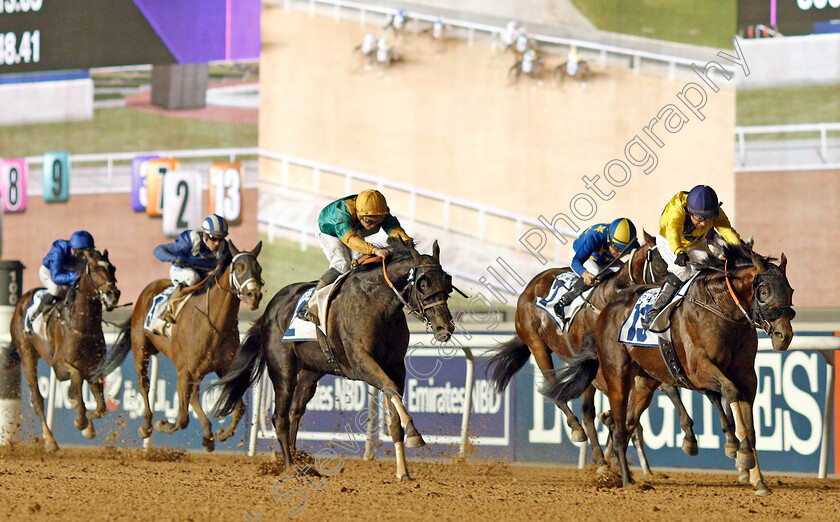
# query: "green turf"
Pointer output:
{"type": "Point", "coordinates": [124, 130]}
{"type": "Point", "coordinates": [812, 104]}
{"type": "Point", "coordinates": [700, 22]}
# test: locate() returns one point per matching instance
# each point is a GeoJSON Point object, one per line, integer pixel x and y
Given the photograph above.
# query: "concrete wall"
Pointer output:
{"type": "Point", "coordinates": [131, 236]}
{"type": "Point", "coordinates": [449, 122]}
{"type": "Point", "coordinates": [42, 102]}
{"type": "Point", "coordinates": [796, 213]}
{"type": "Point", "coordinates": [791, 61]}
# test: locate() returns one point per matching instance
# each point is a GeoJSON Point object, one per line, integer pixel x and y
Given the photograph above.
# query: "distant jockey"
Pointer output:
{"type": "Point", "coordinates": [382, 50]}
{"type": "Point", "coordinates": [592, 251]}
{"type": "Point", "coordinates": [193, 255]}
{"type": "Point", "coordinates": [344, 224]}
{"type": "Point", "coordinates": [523, 43]}
{"type": "Point", "coordinates": [57, 272]}
{"type": "Point", "coordinates": [572, 61]}
{"type": "Point", "coordinates": [508, 36]}
{"type": "Point", "coordinates": [397, 21]}
{"type": "Point", "coordinates": [682, 238]}
{"type": "Point", "coordinates": [438, 28]}
{"type": "Point", "coordinates": [368, 45]}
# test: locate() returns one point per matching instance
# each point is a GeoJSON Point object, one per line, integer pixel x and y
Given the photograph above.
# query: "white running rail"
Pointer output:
{"type": "Point", "coordinates": [810, 128]}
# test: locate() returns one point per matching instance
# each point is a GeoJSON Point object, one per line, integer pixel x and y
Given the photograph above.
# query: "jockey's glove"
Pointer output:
{"type": "Point", "coordinates": [682, 259]}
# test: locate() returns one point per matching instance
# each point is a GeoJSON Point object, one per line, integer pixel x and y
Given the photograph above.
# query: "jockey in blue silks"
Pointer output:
{"type": "Point", "coordinates": [57, 272]}
{"type": "Point", "coordinates": [193, 256]}
{"type": "Point", "coordinates": [592, 251]}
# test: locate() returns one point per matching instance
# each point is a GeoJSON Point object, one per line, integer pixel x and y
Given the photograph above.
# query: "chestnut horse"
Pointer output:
{"type": "Point", "coordinates": [76, 345]}
{"type": "Point", "coordinates": [367, 338]}
{"type": "Point", "coordinates": [203, 339]}
{"type": "Point", "coordinates": [714, 337]}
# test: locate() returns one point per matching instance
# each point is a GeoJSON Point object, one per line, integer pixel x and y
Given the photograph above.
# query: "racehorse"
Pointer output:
{"type": "Point", "coordinates": [203, 339]}
{"type": "Point", "coordinates": [366, 339]}
{"type": "Point", "coordinates": [531, 67]}
{"type": "Point", "coordinates": [583, 72]}
{"type": "Point", "coordinates": [75, 344]}
{"type": "Point", "coordinates": [715, 340]}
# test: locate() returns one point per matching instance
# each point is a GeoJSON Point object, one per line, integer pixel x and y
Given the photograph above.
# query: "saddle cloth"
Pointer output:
{"type": "Point", "coordinates": [154, 323]}
{"type": "Point", "coordinates": [632, 331]}
{"type": "Point", "coordinates": [561, 284]}
{"type": "Point", "coordinates": [35, 326]}
{"type": "Point", "coordinates": [303, 330]}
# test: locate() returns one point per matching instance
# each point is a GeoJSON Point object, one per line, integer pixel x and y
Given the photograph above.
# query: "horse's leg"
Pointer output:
{"type": "Point", "coordinates": [396, 430]}
{"type": "Point", "coordinates": [619, 373]}
{"type": "Point", "coordinates": [542, 355]}
{"type": "Point", "coordinates": [748, 431]}
{"type": "Point", "coordinates": [726, 423]}
{"type": "Point", "coordinates": [75, 393]}
{"type": "Point", "coordinates": [195, 401]}
{"type": "Point", "coordinates": [29, 359]}
{"type": "Point", "coordinates": [141, 364]}
{"type": "Point", "coordinates": [238, 413]}
{"type": "Point", "coordinates": [284, 387]}
{"type": "Point", "coordinates": [588, 412]}
{"type": "Point", "coordinates": [97, 388]}
{"type": "Point", "coordinates": [307, 383]}
{"type": "Point", "coordinates": [640, 398]}
{"type": "Point", "coordinates": [689, 444]}
{"type": "Point", "coordinates": [185, 392]}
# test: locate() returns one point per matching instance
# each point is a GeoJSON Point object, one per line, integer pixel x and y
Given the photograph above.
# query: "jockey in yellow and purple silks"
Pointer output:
{"type": "Point", "coordinates": [682, 238]}
{"type": "Point", "coordinates": [344, 224]}
{"type": "Point", "coordinates": [592, 251]}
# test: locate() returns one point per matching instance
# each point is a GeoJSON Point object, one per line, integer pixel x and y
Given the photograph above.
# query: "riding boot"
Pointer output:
{"type": "Point", "coordinates": [669, 289]}
{"type": "Point", "coordinates": [329, 277]}
{"type": "Point", "coordinates": [566, 299]}
{"type": "Point", "coordinates": [46, 304]}
{"type": "Point", "coordinates": [174, 298]}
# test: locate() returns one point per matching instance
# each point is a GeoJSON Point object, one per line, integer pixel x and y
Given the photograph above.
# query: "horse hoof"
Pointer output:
{"type": "Point", "coordinates": [731, 449]}
{"type": "Point", "coordinates": [50, 446]}
{"type": "Point", "coordinates": [99, 414]}
{"type": "Point", "coordinates": [689, 447]}
{"type": "Point", "coordinates": [745, 460]}
{"type": "Point", "coordinates": [81, 422]}
{"type": "Point", "coordinates": [578, 436]}
{"type": "Point", "coordinates": [744, 477]}
{"type": "Point", "coordinates": [761, 489]}
{"type": "Point", "coordinates": [161, 425]}
{"type": "Point", "coordinates": [209, 445]}
{"type": "Point", "coordinates": [405, 478]}
{"type": "Point", "coordinates": [89, 432]}
{"type": "Point", "coordinates": [415, 441]}
{"type": "Point", "coordinates": [603, 470]}
{"type": "Point", "coordinates": [144, 432]}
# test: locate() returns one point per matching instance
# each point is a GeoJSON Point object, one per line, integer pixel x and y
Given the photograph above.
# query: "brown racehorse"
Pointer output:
{"type": "Point", "coordinates": [715, 339]}
{"type": "Point", "coordinates": [204, 339]}
{"type": "Point", "coordinates": [76, 344]}
{"type": "Point", "coordinates": [367, 338]}
{"type": "Point", "coordinates": [583, 73]}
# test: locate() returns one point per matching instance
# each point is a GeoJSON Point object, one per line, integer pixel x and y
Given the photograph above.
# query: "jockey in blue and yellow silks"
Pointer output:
{"type": "Point", "coordinates": [592, 251]}
{"type": "Point", "coordinates": [682, 238]}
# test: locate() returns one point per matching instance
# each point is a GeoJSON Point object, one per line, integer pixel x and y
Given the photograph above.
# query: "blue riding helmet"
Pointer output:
{"type": "Point", "coordinates": [215, 225]}
{"type": "Point", "coordinates": [622, 233]}
{"type": "Point", "coordinates": [703, 202]}
{"type": "Point", "coordinates": [81, 239]}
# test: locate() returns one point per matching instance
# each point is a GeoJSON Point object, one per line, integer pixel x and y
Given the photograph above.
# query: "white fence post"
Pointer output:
{"type": "Point", "coordinates": [154, 370]}
{"type": "Point", "coordinates": [256, 401]}
{"type": "Point", "coordinates": [372, 413]}
{"type": "Point", "coordinates": [824, 144]}
{"type": "Point", "coordinates": [446, 215]}
{"type": "Point", "coordinates": [51, 399]}
{"type": "Point", "coordinates": [468, 396]}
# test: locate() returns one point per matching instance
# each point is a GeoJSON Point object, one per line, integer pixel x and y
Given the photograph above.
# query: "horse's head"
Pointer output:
{"type": "Point", "coordinates": [98, 277]}
{"type": "Point", "coordinates": [430, 289]}
{"type": "Point", "coordinates": [646, 265]}
{"type": "Point", "coordinates": [246, 275]}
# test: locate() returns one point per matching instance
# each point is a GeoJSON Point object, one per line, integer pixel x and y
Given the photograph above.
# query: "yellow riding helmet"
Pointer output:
{"type": "Point", "coordinates": [371, 203]}
{"type": "Point", "coordinates": [622, 232]}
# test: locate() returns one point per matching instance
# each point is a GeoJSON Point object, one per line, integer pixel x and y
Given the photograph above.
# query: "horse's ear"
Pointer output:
{"type": "Point", "coordinates": [649, 239]}
{"type": "Point", "coordinates": [233, 249]}
{"type": "Point", "coordinates": [759, 263]}
{"type": "Point", "coordinates": [783, 263]}
{"type": "Point", "coordinates": [256, 251]}
{"type": "Point", "coordinates": [105, 255]}
{"type": "Point", "coordinates": [749, 243]}
{"type": "Point", "coordinates": [436, 251]}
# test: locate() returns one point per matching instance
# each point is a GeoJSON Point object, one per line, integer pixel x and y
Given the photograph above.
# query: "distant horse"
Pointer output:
{"type": "Point", "coordinates": [75, 344]}
{"type": "Point", "coordinates": [583, 72]}
{"type": "Point", "coordinates": [532, 66]}
{"type": "Point", "coordinates": [203, 339]}
{"type": "Point", "coordinates": [366, 339]}
{"type": "Point", "coordinates": [715, 340]}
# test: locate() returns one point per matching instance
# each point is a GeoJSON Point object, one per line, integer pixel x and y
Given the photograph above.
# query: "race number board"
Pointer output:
{"type": "Point", "coordinates": [14, 173]}
{"type": "Point", "coordinates": [56, 176]}
{"type": "Point", "coordinates": [181, 201]}
{"type": "Point", "coordinates": [225, 191]}
{"type": "Point", "coordinates": [139, 193]}
{"type": "Point", "coordinates": [156, 171]}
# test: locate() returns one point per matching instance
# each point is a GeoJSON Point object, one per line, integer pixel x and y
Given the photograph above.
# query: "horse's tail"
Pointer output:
{"type": "Point", "coordinates": [246, 368]}
{"type": "Point", "coordinates": [114, 358]}
{"type": "Point", "coordinates": [572, 380]}
{"type": "Point", "coordinates": [511, 358]}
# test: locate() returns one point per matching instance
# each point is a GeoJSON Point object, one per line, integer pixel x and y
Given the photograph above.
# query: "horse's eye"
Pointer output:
{"type": "Point", "coordinates": [763, 293]}
{"type": "Point", "coordinates": [423, 284]}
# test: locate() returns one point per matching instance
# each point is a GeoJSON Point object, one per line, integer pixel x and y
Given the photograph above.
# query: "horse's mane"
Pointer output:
{"type": "Point", "coordinates": [740, 254]}
{"type": "Point", "coordinates": [222, 262]}
{"type": "Point", "coordinates": [399, 250]}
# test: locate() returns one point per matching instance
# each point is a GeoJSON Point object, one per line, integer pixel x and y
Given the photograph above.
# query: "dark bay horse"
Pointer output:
{"type": "Point", "coordinates": [367, 337]}
{"type": "Point", "coordinates": [203, 339]}
{"type": "Point", "coordinates": [76, 344]}
{"type": "Point", "coordinates": [715, 339]}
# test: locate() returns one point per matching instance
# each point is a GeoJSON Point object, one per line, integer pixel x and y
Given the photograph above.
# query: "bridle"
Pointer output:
{"type": "Point", "coordinates": [761, 314]}
{"type": "Point", "coordinates": [416, 304]}
{"type": "Point", "coordinates": [648, 276]}
{"type": "Point", "coordinates": [100, 293]}
{"type": "Point", "coordinates": [240, 287]}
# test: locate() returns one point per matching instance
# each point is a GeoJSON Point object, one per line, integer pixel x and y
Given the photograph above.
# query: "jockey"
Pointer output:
{"type": "Point", "coordinates": [56, 272]}
{"type": "Point", "coordinates": [382, 50]}
{"type": "Point", "coordinates": [193, 256]}
{"type": "Point", "coordinates": [438, 27]}
{"type": "Point", "coordinates": [509, 34]}
{"type": "Point", "coordinates": [572, 60]}
{"type": "Point", "coordinates": [523, 43]}
{"type": "Point", "coordinates": [592, 251]}
{"type": "Point", "coordinates": [682, 238]}
{"type": "Point", "coordinates": [528, 60]}
{"type": "Point", "coordinates": [343, 224]}
{"type": "Point", "coordinates": [368, 45]}
{"type": "Point", "coordinates": [397, 21]}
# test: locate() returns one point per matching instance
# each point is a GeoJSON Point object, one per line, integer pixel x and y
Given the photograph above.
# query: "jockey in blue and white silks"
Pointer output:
{"type": "Point", "coordinates": [57, 272]}
{"type": "Point", "coordinates": [592, 251]}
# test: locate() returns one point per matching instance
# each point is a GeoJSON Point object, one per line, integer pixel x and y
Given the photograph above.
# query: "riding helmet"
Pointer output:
{"type": "Point", "coordinates": [703, 202]}
{"type": "Point", "coordinates": [371, 203]}
{"type": "Point", "coordinates": [215, 225]}
{"type": "Point", "coordinates": [81, 239]}
{"type": "Point", "coordinates": [622, 232]}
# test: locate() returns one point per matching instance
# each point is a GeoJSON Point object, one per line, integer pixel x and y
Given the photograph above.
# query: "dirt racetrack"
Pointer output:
{"type": "Point", "coordinates": [116, 484]}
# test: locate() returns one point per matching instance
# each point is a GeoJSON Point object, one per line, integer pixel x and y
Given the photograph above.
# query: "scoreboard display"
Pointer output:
{"type": "Point", "coordinates": [787, 17]}
{"type": "Point", "coordinates": [45, 35]}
